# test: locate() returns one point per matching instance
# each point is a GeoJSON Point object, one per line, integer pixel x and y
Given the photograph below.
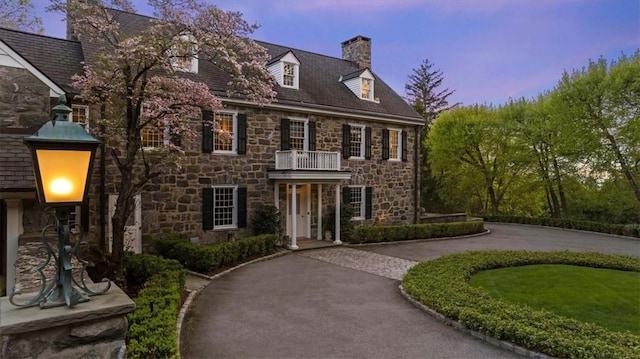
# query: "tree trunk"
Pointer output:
{"type": "Point", "coordinates": [493, 199]}
{"type": "Point", "coordinates": [563, 198]}
{"type": "Point", "coordinates": [623, 164]}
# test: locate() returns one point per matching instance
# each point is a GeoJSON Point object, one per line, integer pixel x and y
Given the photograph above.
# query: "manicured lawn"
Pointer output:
{"type": "Point", "coordinates": [610, 298]}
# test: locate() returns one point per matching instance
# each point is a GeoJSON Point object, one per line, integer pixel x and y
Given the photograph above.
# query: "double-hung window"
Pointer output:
{"type": "Point", "coordinates": [356, 142]}
{"type": "Point", "coordinates": [356, 148]}
{"type": "Point", "coordinates": [360, 199]}
{"type": "Point", "coordinates": [394, 144]}
{"type": "Point", "coordinates": [395, 148]}
{"type": "Point", "coordinates": [224, 207]}
{"type": "Point", "coordinates": [289, 74]}
{"type": "Point", "coordinates": [297, 135]}
{"type": "Point", "coordinates": [226, 134]}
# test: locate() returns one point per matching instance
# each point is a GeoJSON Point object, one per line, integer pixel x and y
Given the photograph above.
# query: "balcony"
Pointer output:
{"type": "Point", "coordinates": [307, 160]}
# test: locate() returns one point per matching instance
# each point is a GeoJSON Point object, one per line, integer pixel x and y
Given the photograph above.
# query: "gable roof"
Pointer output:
{"type": "Point", "coordinates": [57, 59]}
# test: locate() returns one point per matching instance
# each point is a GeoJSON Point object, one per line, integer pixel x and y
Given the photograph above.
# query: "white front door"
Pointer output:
{"type": "Point", "coordinates": [133, 229]}
{"type": "Point", "coordinates": [303, 210]}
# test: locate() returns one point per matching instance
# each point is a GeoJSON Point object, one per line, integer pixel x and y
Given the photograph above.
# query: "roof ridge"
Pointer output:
{"type": "Point", "coordinates": [36, 34]}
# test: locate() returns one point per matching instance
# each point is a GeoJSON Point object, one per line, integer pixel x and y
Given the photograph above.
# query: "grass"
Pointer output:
{"type": "Point", "coordinates": [610, 298]}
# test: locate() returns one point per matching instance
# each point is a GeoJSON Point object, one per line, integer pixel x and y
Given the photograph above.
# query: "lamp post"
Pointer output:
{"type": "Point", "coordinates": [62, 153]}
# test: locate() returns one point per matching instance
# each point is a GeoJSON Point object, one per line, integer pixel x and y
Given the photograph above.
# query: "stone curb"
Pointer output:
{"type": "Point", "coordinates": [568, 229]}
{"type": "Point", "coordinates": [487, 231]}
{"type": "Point", "coordinates": [489, 339]}
{"type": "Point", "coordinates": [193, 293]}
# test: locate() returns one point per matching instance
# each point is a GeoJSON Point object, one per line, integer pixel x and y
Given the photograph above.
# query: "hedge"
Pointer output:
{"type": "Point", "coordinates": [391, 233]}
{"type": "Point", "coordinates": [152, 325]}
{"type": "Point", "coordinates": [619, 229]}
{"type": "Point", "coordinates": [443, 284]}
{"type": "Point", "coordinates": [208, 258]}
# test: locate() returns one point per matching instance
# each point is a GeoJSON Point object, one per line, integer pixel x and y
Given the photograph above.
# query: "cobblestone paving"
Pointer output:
{"type": "Point", "coordinates": [379, 264]}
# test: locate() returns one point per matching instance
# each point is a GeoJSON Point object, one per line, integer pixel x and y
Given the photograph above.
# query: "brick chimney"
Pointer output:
{"type": "Point", "coordinates": [358, 50]}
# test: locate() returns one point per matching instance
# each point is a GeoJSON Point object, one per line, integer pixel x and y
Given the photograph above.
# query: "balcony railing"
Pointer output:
{"type": "Point", "coordinates": [307, 160]}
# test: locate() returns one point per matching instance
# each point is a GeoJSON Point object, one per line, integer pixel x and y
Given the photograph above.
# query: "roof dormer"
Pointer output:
{"type": "Point", "coordinates": [286, 70]}
{"type": "Point", "coordinates": [184, 54]}
{"type": "Point", "coordinates": [361, 83]}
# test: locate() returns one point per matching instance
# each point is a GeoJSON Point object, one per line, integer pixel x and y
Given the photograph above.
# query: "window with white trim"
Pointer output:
{"type": "Point", "coordinates": [226, 134]}
{"type": "Point", "coordinates": [357, 201]}
{"type": "Point", "coordinates": [184, 54]}
{"type": "Point", "coordinates": [286, 70]}
{"type": "Point", "coordinates": [297, 134]}
{"type": "Point", "coordinates": [395, 144]}
{"type": "Point", "coordinates": [289, 74]}
{"type": "Point", "coordinates": [80, 115]}
{"type": "Point", "coordinates": [357, 143]}
{"type": "Point", "coordinates": [366, 89]}
{"type": "Point", "coordinates": [154, 136]}
{"type": "Point", "coordinates": [225, 204]}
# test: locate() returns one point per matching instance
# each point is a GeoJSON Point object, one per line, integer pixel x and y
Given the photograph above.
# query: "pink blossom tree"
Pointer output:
{"type": "Point", "coordinates": [137, 77]}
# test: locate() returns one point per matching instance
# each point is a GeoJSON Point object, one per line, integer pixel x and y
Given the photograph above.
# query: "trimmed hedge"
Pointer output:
{"type": "Point", "coordinates": [152, 325]}
{"type": "Point", "coordinates": [601, 227]}
{"type": "Point", "coordinates": [208, 258]}
{"type": "Point", "coordinates": [391, 233]}
{"type": "Point", "coordinates": [443, 284]}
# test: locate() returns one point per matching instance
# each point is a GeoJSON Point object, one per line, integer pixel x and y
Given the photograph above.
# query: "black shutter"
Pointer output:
{"type": "Point", "coordinates": [405, 150]}
{"type": "Point", "coordinates": [368, 197]}
{"type": "Point", "coordinates": [176, 139]}
{"type": "Point", "coordinates": [207, 133]}
{"type": "Point", "coordinates": [242, 133]}
{"type": "Point", "coordinates": [385, 144]}
{"type": "Point", "coordinates": [346, 195]}
{"type": "Point", "coordinates": [312, 135]}
{"type": "Point", "coordinates": [242, 207]}
{"type": "Point", "coordinates": [367, 143]}
{"type": "Point", "coordinates": [285, 139]}
{"type": "Point", "coordinates": [84, 217]}
{"type": "Point", "coordinates": [346, 141]}
{"type": "Point", "coordinates": [207, 208]}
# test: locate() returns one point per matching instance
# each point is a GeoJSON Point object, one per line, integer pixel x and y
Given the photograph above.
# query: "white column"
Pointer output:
{"type": "Point", "coordinates": [337, 239]}
{"type": "Point", "coordinates": [276, 195]}
{"type": "Point", "coordinates": [294, 208]}
{"type": "Point", "coordinates": [319, 235]}
{"type": "Point", "coordinates": [14, 230]}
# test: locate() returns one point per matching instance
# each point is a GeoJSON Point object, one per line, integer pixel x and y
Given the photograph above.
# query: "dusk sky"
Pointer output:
{"type": "Point", "coordinates": [488, 50]}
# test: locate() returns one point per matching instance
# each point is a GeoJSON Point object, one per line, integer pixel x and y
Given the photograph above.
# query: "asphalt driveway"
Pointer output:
{"type": "Point", "coordinates": [296, 306]}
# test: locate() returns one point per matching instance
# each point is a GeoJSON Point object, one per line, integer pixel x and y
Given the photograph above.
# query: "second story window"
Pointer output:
{"type": "Point", "coordinates": [226, 135]}
{"type": "Point", "coordinates": [395, 151]}
{"type": "Point", "coordinates": [356, 149]}
{"type": "Point", "coordinates": [297, 135]}
{"type": "Point", "coordinates": [356, 142]}
{"type": "Point", "coordinates": [394, 144]}
{"type": "Point", "coordinates": [80, 115]}
{"type": "Point", "coordinates": [153, 136]}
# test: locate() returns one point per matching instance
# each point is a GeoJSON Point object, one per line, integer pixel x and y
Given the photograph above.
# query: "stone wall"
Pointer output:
{"type": "Point", "coordinates": [24, 100]}
{"type": "Point", "coordinates": [171, 203]}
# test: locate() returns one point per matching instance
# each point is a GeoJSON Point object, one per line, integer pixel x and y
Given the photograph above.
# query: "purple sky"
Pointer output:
{"type": "Point", "coordinates": [488, 50]}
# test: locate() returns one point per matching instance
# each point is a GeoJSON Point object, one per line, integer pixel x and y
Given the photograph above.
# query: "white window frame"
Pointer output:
{"type": "Point", "coordinates": [295, 74]}
{"type": "Point", "coordinates": [397, 156]}
{"type": "Point", "coordinates": [165, 138]}
{"type": "Point", "coordinates": [305, 121]}
{"type": "Point", "coordinates": [363, 202]}
{"type": "Point", "coordinates": [234, 214]}
{"type": "Point", "coordinates": [362, 142]}
{"type": "Point", "coordinates": [234, 137]}
{"type": "Point", "coordinates": [176, 64]}
{"type": "Point", "coordinates": [86, 115]}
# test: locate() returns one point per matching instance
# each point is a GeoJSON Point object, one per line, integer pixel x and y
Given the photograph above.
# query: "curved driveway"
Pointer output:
{"type": "Point", "coordinates": [296, 306]}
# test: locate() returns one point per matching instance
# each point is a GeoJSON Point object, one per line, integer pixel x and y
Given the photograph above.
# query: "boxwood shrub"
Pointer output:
{"type": "Point", "coordinates": [403, 232]}
{"type": "Point", "coordinates": [443, 284]}
{"type": "Point", "coordinates": [208, 258]}
{"type": "Point", "coordinates": [619, 229]}
{"type": "Point", "coordinates": [152, 325]}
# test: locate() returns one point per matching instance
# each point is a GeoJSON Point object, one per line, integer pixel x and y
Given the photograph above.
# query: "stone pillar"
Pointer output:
{"type": "Point", "coordinates": [94, 329]}
{"type": "Point", "coordinates": [14, 230]}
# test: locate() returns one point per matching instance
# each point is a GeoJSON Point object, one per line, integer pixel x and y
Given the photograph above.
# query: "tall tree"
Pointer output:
{"type": "Point", "coordinates": [425, 93]}
{"type": "Point", "coordinates": [137, 79]}
{"type": "Point", "coordinates": [19, 15]}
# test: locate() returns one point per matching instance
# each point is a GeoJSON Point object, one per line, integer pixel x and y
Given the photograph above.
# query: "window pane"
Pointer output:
{"type": "Point", "coordinates": [289, 74]}
{"type": "Point", "coordinates": [223, 206]}
{"type": "Point", "coordinates": [356, 201]}
{"type": "Point", "coordinates": [224, 136]}
{"type": "Point", "coordinates": [394, 140]}
{"type": "Point", "coordinates": [152, 136]}
{"type": "Point", "coordinates": [356, 141]}
{"type": "Point", "coordinates": [80, 115]}
{"type": "Point", "coordinates": [296, 131]}
{"type": "Point", "coordinates": [366, 88]}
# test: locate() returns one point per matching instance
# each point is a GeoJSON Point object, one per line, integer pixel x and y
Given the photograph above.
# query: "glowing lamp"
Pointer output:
{"type": "Point", "coordinates": [62, 153]}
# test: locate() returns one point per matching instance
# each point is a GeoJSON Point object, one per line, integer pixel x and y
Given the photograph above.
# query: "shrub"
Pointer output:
{"type": "Point", "coordinates": [152, 325]}
{"type": "Point", "coordinates": [443, 284]}
{"type": "Point", "coordinates": [619, 229]}
{"type": "Point", "coordinates": [346, 224]}
{"type": "Point", "coordinates": [208, 258]}
{"type": "Point", "coordinates": [266, 220]}
{"type": "Point", "coordinates": [390, 233]}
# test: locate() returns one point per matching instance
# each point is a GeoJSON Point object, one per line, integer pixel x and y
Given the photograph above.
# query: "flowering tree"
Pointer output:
{"type": "Point", "coordinates": [136, 75]}
{"type": "Point", "coordinates": [18, 14]}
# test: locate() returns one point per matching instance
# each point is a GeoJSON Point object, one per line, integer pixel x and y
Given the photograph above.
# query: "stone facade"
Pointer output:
{"type": "Point", "coordinates": [358, 50]}
{"type": "Point", "coordinates": [172, 203]}
{"type": "Point", "coordinates": [24, 100]}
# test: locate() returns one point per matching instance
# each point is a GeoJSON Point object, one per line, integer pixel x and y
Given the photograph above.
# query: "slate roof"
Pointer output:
{"type": "Point", "coordinates": [16, 171]}
{"type": "Point", "coordinates": [58, 59]}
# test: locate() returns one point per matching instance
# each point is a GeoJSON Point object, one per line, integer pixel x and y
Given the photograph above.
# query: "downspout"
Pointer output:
{"type": "Point", "coordinates": [103, 199]}
{"type": "Point", "coordinates": [416, 177]}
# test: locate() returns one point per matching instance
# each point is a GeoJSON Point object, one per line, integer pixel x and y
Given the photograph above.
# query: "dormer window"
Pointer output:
{"type": "Point", "coordinates": [361, 83]}
{"type": "Point", "coordinates": [286, 70]}
{"type": "Point", "coordinates": [184, 54]}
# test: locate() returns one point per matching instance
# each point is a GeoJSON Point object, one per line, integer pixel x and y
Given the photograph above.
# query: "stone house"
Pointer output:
{"type": "Point", "coordinates": [336, 133]}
